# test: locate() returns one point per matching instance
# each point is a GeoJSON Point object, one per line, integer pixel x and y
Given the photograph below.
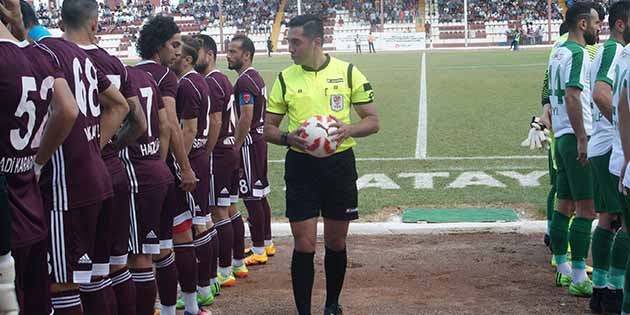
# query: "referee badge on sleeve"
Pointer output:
{"type": "Point", "coordinates": [336, 102]}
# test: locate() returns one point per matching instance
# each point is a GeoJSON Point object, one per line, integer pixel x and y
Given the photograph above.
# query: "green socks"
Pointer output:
{"type": "Point", "coordinates": [559, 235]}
{"type": "Point", "coordinates": [580, 240]}
{"type": "Point", "coordinates": [602, 242]}
{"type": "Point", "coordinates": [619, 258]}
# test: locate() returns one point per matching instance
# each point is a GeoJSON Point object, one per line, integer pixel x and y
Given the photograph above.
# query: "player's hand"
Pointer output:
{"type": "Point", "coordinates": [295, 140]}
{"type": "Point", "coordinates": [622, 189]}
{"type": "Point", "coordinates": [189, 180]}
{"type": "Point", "coordinates": [582, 145]}
{"type": "Point", "coordinates": [343, 131]}
{"type": "Point", "coordinates": [11, 11]}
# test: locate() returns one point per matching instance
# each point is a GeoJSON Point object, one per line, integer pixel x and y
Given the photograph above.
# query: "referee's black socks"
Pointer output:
{"type": "Point", "coordinates": [302, 274]}
{"type": "Point", "coordinates": [335, 264]}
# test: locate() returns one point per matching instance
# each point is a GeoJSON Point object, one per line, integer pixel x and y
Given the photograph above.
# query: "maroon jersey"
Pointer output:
{"type": "Point", "coordinates": [76, 175]}
{"type": "Point", "coordinates": [167, 84]}
{"type": "Point", "coordinates": [193, 101]}
{"type": "Point", "coordinates": [21, 117]}
{"type": "Point", "coordinates": [142, 159]}
{"type": "Point", "coordinates": [250, 90]}
{"type": "Point", "coordinates": [116, 72]}
{"type": "Point", "coordinates": [222, 100]}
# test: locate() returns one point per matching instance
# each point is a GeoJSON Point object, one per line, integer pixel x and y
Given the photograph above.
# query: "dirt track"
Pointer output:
{"type": "Point", "coordinates": [445, 274]}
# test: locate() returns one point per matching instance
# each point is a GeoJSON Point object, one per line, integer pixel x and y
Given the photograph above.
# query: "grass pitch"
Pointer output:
{"type": "Point", "coordinates": [479, 105]}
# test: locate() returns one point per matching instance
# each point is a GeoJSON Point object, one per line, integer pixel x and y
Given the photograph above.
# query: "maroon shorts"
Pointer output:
{"type": "Point", "coordinates": [72, 238]}
{"type": "Point", "coordinates": [224, 176]}
{"type": "Point", "coordinates": [146, 207]}
{"type": "Point", "coordinates": [253, 183]}
{"type": "Point", "coordinates": [198, 204]}
{"type": "Point", "coordinates": [112, 243]}
{"type": "Point", "coordinates": [32, 282]}
{"type": "Point", "coordinates": [174, 215]}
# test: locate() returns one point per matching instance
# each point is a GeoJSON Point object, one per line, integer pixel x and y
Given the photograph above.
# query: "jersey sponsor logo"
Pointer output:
{"type": "Point", "coordinates": [336, 102]}
{"type": "Point", "coordinates": [340, 80]}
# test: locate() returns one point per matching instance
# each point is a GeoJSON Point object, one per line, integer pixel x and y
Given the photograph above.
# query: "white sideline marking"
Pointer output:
{"type": "Point", "coordinates": [464, 67]}
{"type": "Point", "coordinates": [421, 137]}
{"type": "Point", "coordinates": [444, 158]}
{"type": "Point", "coordinates": [397, 228]}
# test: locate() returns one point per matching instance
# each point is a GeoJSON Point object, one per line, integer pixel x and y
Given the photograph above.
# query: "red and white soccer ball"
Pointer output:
{"type": "Point", "coordinates": [316, 131]}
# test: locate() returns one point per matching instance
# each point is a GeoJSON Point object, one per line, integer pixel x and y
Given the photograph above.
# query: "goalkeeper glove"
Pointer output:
{"type": "Point", "coordinates": [538, 136]}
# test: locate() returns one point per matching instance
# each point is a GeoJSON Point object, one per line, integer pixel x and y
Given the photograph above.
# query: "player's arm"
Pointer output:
{"type": "Point", "coordinates": [574, 111]}
{"type": "Point", "coordinates": [602, 95]}
{"type": "Point", "coordinates": [189, 179]}
{"type": "Point", "coordinates": [114, 110]}
{"type": "Point", "coordinates": [216, 120]}
{"type": "Point", "coordinates": [545, 118]}
{"type": "Point", "coordinates": [63, 111]}
{"type": "Point", "coordinates": [246, 103]}
{"type": "Point", "coordinates": [624, 130]}
{"type": "Point", "coordinates": [165, 133]}
{"type": "Point", "coordinates": [11, 12]}
{"type": "Point", "coordinates": [135, 124]}
{"type": "Point", "coordinates": [189, 131]}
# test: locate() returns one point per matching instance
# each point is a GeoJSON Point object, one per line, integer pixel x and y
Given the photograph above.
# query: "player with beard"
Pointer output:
{"type": "Point", "coordinates": [75, 194]}
{"type": "Point", "coordinates": [34, 94]}
{"type": "Point", "coordinates": [193, 111]}
{"type": "Point", "coordinates": [224, 160]}
{"type": "Point", "coordinates": [251, 94]}
{"type": "Point", "coordinates": [159, 45]}
{"type": "Point", "coordinates": [114, 219]}
{"type": "Point", "coordinates": [572, 124]}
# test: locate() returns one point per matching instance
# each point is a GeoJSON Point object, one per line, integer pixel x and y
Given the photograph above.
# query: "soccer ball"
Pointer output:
{"type": "Point", "coordinates": [316, 131]}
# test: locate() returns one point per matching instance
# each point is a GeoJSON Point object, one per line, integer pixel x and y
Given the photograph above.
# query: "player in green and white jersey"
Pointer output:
{"type": "Point", "coordinates": [570, 98]}
{"type": "Point", "coordinates": [609, 252]}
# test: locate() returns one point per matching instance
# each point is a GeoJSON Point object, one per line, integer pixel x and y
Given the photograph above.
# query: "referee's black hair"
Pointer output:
{"type": "Point", "coordinates": [77, 13]}
{"type": "Point", "coordinates": [577, 12]}
{"type": "Point", "coordinates": [155, 33]}
{"type": "Point", "coordinates": [246, 44]}
{"type": "Point", "coordinates": [618, 11]}
{"type": "Point", "coordinates": [208, 44]}
{"type": "Point", "coordinates": [312, 24]}
{"type": "Point", "coordinates": [29, 18]}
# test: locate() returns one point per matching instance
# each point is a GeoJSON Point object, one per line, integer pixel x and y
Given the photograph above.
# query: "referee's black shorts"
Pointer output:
{"type": "Point", "coordinates": [321, 185]}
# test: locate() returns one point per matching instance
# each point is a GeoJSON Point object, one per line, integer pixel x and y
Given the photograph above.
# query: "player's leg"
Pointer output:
{"type": "Point", "coordinates": [165, 267]}
{"type": "Point", "coordinates": [580, 180]}
{"type": "Point", "coordinates": [551, 197]}
{"type": "Point", "coordinates": [604, 233]}
{"type": "Point", "coordinates": [73, 234]}
{"type": "Point", "coordinates": [122, 283]}
{"type": "Point", "coordinates": [32, 279]}
{"type": "Point", "coordinates": [612, 301]}
{"type": "Point", "coordinates": [270, 248]}
{"type": "Point", "coordinates": [338, 209]}
{"type": "Point", "coordinates": [625, 307]}
{"type": "Point", "coordinates": [8, 298]}
{"type": "Point", "coordinates": [255, 169]}
{"type": "Point", "coordinates": [303, 204]}
{"type": "Point", "coordinates": [225, 235]}
{"type": "Point", "coordinates": [98, 297]}
{"type": "Point", "coordinates": [559, 228]}
{"type": "Point", "coordinates": [185, 256]}
{"type": "Point", "coordinates": [238, 246]}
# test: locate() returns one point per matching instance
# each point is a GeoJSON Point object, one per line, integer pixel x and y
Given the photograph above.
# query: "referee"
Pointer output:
{"type": "Point", "coordinates": [319, 84]}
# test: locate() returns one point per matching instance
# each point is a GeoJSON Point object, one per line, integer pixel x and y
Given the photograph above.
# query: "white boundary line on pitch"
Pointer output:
{"type": "Point", "coordinates": [421, 137]}
{"type": "Point", "coordinates": [444, 158]}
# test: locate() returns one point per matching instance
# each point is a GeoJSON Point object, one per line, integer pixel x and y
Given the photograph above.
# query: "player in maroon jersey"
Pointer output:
{"type": "Point", "coordinates": [75, 183]}
{"type": "Point", "coordinates": [224, 159]}
{"type": "Point", "coordinates": [113, 222]}
{"type": "Point", "coordinates": [150, 179]}
{"type": "Point", "coordinates": [159, 45]}
{"type": "Point", "coordinates": [29, 102]}
{"type": "Point", "coordinates": [193, 110]}
{"type": "Point", "coordinates": [251, 94]}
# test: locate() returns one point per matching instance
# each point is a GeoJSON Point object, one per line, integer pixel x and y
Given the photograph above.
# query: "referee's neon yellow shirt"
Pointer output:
{"type": "Point", "coordinates": [300, 93]}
